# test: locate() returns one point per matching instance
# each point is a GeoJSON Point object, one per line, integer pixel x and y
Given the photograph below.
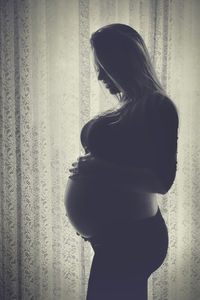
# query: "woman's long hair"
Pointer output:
{"type": "Point", "coordinates": [122, 53]}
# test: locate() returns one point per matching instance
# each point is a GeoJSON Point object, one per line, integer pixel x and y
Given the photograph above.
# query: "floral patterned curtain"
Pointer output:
{"type": "Point", "coordinates": [48, 91]}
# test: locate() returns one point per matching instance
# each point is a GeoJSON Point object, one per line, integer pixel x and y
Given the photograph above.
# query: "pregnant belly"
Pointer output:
{"type": "Point", "coordinates": [91, 203]}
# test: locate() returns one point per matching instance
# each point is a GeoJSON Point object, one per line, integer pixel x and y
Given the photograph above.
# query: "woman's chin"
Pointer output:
{"type": "Point", "coordinates": [113, 91]}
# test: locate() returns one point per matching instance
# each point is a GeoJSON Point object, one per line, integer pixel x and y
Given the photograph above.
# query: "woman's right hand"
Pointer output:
{"type": "Point", "coordinates": [84, 165]}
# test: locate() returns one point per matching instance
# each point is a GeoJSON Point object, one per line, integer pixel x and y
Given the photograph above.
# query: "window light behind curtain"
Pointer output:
{"type": "Point", "coordinates": [48, 91]}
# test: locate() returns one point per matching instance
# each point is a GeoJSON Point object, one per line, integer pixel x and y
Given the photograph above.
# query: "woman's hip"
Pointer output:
{"type": "Point", "coordinates": [139, 243]}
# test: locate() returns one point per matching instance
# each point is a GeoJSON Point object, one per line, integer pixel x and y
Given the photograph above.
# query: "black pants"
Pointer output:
{"type": "Point", "coordinates": [125, 255]}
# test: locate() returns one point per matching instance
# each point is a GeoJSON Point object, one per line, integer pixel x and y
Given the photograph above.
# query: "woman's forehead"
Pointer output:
{"type": "Point", "coordinates": [96, 60]}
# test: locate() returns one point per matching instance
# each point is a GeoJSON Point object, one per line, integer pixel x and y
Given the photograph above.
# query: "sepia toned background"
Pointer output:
{"type": "Point", "coordinates": [48, 91]}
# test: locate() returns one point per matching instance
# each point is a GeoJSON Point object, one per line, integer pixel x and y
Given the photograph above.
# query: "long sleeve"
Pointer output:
{"type": "Point", "coordinates": [162, 132]}
{"type": "Point", "coordinates": [146, 139]}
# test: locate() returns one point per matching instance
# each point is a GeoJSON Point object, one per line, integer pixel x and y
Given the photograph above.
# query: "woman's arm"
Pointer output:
{"type": "Point", "coordinates": [159, 173]}
{"type": "Point", "coordinates": [141, 179]}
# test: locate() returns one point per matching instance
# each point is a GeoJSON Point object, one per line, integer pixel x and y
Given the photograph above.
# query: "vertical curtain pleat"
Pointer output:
{"type": "Point", "coordinates": [84, 100]}
{"type": "Point", "coordinates": [9, 222]}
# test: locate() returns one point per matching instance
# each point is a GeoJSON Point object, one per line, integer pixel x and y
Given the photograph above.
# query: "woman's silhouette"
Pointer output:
{"type": "Point", "coordinates": [131, 155]}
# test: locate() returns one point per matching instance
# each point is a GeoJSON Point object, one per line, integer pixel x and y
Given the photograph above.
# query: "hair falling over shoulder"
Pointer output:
{"type": "Point", "coordinates": [121, 52]}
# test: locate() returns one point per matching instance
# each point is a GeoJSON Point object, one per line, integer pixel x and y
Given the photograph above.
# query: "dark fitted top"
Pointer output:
{"type": "Point", "coordinates": [146, 137]}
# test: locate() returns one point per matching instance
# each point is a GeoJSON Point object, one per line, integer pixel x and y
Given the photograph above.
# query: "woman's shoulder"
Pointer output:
{"type": "Point", "coordinates": [160, 103]}
{"type": "Point", "coordinates": [139, 111]}
{"type": "Point", "coordinates": [160, 109]}
{"type": "Point", "coordinates": [156, 99]}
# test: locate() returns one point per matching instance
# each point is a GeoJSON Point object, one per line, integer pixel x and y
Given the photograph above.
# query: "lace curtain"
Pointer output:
{"type": "Point", "coordinates": [48, 91]}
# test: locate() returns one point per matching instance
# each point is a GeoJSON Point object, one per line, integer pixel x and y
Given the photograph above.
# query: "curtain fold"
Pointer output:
{"type": "Point", "coordinates": [48, 91]}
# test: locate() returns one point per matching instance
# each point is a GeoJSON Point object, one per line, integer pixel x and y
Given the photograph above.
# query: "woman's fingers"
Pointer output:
{"type": "Point", "coordinates": [73, 170]}
{"type": "Point", "coordinates": [82, 164]}
{"type": "Point", "coordinates": [82, 158]}
{"type": "Point", "coordinates": [85, 157]}
{"type": "Point", "coordinates": [74, 164]}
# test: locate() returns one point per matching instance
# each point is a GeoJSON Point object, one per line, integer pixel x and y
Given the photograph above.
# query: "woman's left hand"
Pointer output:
{"type": "Point", "coordinates": [85, 165]}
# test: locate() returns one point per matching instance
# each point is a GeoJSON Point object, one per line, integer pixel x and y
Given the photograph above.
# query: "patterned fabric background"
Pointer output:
{"type": "Point", "coordinates": [48, 91]}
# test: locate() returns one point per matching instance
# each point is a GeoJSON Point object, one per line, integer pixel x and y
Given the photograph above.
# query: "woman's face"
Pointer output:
{"type": "Point", "coordinates": [103, 76]}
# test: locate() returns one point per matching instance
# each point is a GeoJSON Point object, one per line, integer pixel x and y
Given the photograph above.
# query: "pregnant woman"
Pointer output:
{"type": "Point", "coordinates": [130, 156]}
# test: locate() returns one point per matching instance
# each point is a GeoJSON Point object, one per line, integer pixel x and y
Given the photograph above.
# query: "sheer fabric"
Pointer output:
{"type": "Point", "coordinates": [49, 90]}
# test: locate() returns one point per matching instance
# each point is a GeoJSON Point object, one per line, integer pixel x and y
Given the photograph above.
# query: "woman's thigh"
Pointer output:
{"type": "Point", "coordinates": [133, 251]}
{"type": "Point", "coordinates": [104, 284]}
